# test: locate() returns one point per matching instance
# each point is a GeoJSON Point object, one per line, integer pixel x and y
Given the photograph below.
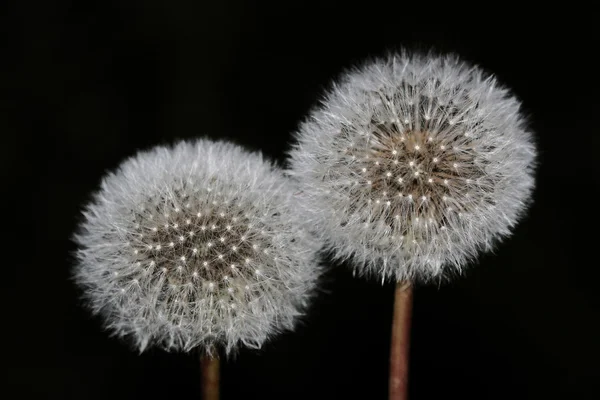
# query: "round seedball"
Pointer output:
{"type": "Point", "coordinates": [413, 164]}
{"type": "Point", "coordinates": [195, 245]}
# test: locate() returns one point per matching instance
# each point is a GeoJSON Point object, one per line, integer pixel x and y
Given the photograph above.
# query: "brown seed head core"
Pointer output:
{"type": "Point", "coordinates": [215, 245]}
{"type": "Point", "coordinates": [415, 177]}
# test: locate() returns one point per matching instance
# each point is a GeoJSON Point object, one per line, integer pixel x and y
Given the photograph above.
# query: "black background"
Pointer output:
{"type": "Point", "coordinates": [87, 84]}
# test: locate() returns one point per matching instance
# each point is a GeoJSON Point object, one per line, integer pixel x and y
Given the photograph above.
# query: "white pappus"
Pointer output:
{"type": "Point", "coordinates": [412, 164]}
{"type": "Point", "coordinates": [196, 244]}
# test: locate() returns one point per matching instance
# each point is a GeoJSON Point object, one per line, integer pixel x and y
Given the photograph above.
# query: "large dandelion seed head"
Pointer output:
{"type": "Point", "coordinates": [414, 164]}
{"type": "Point", "coordinates": [195, 245]}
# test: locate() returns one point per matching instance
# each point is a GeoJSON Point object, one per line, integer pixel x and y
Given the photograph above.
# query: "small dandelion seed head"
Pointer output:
{"type": "Point", "coordinates": [249, 197]}
{"type": "Point", "coordinates": [438, 99]}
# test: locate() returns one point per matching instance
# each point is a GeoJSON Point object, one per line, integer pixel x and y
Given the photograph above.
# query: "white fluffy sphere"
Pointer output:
{"type": "Point", "coordinates": [413, 164]}
{"type": "Point", "coordinates": [194, 245]}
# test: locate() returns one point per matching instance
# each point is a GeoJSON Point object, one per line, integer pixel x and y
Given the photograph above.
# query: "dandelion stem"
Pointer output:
{"type": "Point", "coordinates": [399, 351]}
{"type": "Point", "coordinates": [210, 377]}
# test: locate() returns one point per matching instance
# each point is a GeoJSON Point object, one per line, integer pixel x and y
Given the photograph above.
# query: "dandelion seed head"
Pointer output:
{"type": "Point", "coordinates": [181, 279]}
{"type": "Point", "coordinates": [407, 114]}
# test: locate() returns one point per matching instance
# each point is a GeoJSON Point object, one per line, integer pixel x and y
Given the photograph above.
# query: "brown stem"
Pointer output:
{"type": "Point", "coordinates": [399, 351]}
{"type": "Point", "coordinates": [210, 377]}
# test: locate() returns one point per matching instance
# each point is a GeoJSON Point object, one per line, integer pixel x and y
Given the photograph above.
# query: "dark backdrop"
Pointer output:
{"type": "Point", "coordinates": [86, 84]}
